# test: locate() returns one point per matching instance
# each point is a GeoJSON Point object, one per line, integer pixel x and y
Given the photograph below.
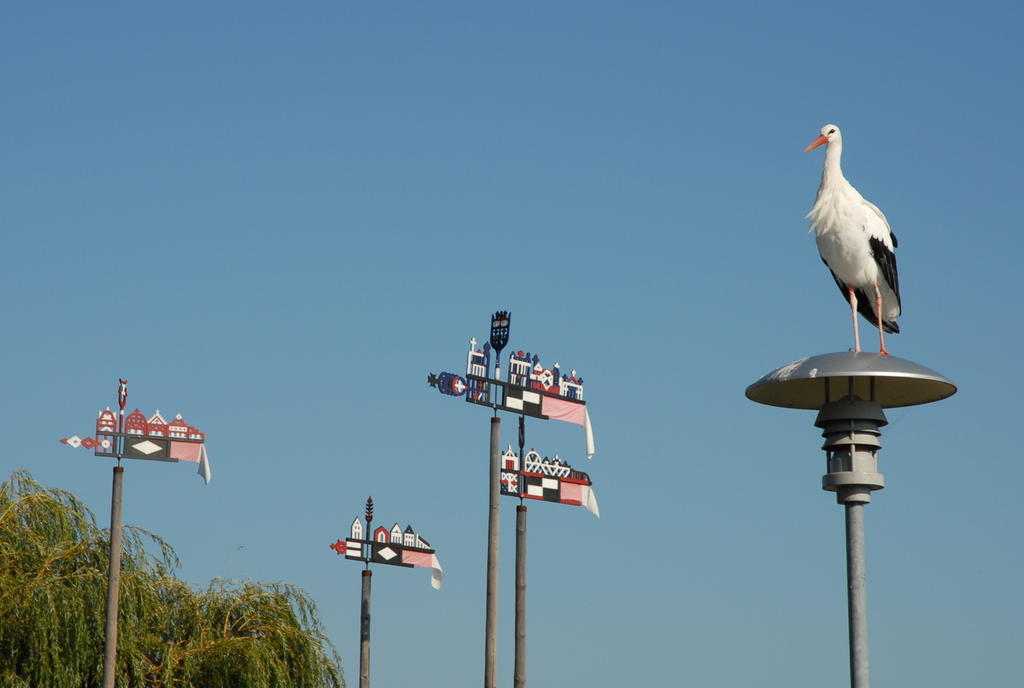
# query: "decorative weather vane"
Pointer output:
{"type": "Point", "coordinates": [529, 389]}
{"type": "Point", "coordinates": [138, 437]}
{"type": "Point", "coordinates": [550, 480]}
{"type": "Point", "coordinates": [396, 547]}
{"type": "Point", "coordinates": [134, 437]}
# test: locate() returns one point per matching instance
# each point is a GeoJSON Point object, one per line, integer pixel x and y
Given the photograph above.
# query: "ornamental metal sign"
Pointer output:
{"type": "Point", "coordinates": [136, 436]}
{"type": "Point", "coordinates": [395, 546]}
{"type": "Point", "coordinates": [550, 480]}
{"type": "Point", "coordinates": [528, 387]}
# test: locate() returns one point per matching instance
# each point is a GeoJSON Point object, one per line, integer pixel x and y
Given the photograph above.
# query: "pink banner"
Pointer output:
{"type": "Point", "coordinates": [417, 558]}
{"type": "Point", "coordinates": [186, 451]}
{"type": "Point", "coordinates": [560, 409]}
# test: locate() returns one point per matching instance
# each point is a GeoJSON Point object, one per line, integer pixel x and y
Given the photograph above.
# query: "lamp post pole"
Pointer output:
{"type": "Point", "coordinates": [851, 430]}
{"type": "Point", "coordinates": [850, 390]}
{"type": "Point", "coordinates": [857, 602]}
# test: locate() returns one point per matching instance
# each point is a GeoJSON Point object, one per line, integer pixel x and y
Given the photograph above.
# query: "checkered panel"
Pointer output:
{"type": "Point", "coordinates": [541, 487]}
{"type": "Point", "coordinates": [523, 400]}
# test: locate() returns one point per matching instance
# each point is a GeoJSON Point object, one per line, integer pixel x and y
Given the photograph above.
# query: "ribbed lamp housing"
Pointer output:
{"type": "Point", "coordinates": [851, 430]}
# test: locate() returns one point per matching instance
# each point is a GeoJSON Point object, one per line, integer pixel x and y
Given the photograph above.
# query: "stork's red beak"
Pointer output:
{"type": "Point", "coordinates": [821, 140]}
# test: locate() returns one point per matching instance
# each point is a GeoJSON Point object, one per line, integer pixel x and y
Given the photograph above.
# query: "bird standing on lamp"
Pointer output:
{"type": "Point", "coordinates": [856, 243]}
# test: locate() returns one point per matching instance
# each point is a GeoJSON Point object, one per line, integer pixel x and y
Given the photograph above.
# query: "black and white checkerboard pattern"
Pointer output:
{"type": "Point", "coordinates": [524, 400]}
{"type": "Point", "coordinates": [541, 487]}
{"type": "Point", "coordinates": [531, 486]}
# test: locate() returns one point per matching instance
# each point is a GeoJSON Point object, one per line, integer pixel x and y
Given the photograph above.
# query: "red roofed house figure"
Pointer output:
{"type": "Point", "coordinates": [136, 424]}
{"type": "Point", "coordinates": [106, 422]}
{"type": "Point", "coordinates": [178, 427]}
{"type": "Point", "coordinates": [156, 426]}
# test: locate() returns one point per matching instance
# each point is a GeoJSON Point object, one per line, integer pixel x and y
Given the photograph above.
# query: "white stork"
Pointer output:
{"type": "Point", "coordinates": [856, 243]}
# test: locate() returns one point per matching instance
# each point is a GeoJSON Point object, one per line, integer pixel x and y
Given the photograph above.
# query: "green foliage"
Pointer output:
{"type": "Point", "coordinates": [53, 584]}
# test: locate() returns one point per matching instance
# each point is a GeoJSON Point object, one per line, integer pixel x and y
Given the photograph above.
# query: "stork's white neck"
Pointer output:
{"type": "Point", "coordinates": [832, 172]}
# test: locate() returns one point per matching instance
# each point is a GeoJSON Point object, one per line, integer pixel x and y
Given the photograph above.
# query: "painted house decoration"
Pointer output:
{"type": "Point", "coordinates": [155, 426]}
{"type": "Point", "coordinates": [151, 438]}
{"type": "Point", "coordinates": [530, 388]}
{"type": "Point", "coordinates": [395, 546]}
{"type": "Point", "coordinates": [550, 480]}
{"type": "Point", "coordinates": [137, 437]}
{"type": "Point", "coordinates": [478, 367]}
{"type": "Point", "coordinates": [526, 371]}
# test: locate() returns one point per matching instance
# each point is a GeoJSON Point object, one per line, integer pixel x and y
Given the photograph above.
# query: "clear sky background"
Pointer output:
{"type": "Point", "coordinates": [277, 218]}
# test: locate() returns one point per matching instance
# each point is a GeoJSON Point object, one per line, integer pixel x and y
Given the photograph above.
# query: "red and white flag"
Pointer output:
{"type": "Point", "coordinates": [570, 412]}
{"type": "Point", "coordinates": [578, 493]}
{"type": "Point", "coordinates": [194, 452]}
{"type": "Point", "coordinates": [427, 559]}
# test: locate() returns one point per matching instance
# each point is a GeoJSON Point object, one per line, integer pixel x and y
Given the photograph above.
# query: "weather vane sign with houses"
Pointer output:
{"type": "Point", "coordinates": [397, 546]}
{"type": "Point", "coordinates": [137, 437]}
{"type": "Point", "coordinates": [529, 388]}
{"type": "Point", "coordinates": [550, 480]}
{"type": "Point", "coordinates": [525, 388]}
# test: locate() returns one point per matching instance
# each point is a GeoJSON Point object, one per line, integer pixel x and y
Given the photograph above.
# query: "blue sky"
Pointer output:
{"type": "Point", "coordinates": [276, 220]}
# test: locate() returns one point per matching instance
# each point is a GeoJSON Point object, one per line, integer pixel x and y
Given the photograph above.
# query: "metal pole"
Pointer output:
{"type": "Point", "coordinates": [856, 578]}
{"type": "Point", "coordinates": [519, 676]}
{"type": "Point", "coordinates": [113, 580]}
{"type": "Point", "coordinates": [364, 632]}
{"type": "Point", "coordinates": [491, 620]}
{"type": "Point", "coordinates": [519, 680]}
{"type": "Point", "coordinates": [851, 428]}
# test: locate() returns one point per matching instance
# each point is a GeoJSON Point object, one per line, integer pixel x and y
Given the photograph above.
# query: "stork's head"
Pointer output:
{"type": "Point", "coordinates": [829, 133]}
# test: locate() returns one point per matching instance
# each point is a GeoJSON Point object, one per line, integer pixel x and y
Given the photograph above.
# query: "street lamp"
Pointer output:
{"type": "Point", "coordinates": [849, 391]}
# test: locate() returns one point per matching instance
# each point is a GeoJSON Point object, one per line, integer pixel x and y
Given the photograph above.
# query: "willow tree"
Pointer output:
{"type": "Point", "coordinates": [53, 563]}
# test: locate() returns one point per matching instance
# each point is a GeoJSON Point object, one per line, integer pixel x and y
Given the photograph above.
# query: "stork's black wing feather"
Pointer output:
{"type": "Point", "coordinates": [886, 260]}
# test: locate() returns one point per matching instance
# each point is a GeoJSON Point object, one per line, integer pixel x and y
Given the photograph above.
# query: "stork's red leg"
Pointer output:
{"type": "Point", "coordinates": [878, 314]}
{"type": "Point", "coordinates": [853, 310]}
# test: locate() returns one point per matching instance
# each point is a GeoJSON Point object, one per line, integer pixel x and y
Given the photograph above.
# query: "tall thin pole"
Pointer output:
{"type": "Point", "coordinates": [113, 580]}
{"type": "Point", "coordinates": [364, 632]}
{"type": "Point", "coordinates": [856, 578]}
{"type": "Point", "coordinates": [519, 680]}
{"type": "Point", "coordinates": [491, 619]}
{"type": "Point", "coordinates": [519, 676]}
